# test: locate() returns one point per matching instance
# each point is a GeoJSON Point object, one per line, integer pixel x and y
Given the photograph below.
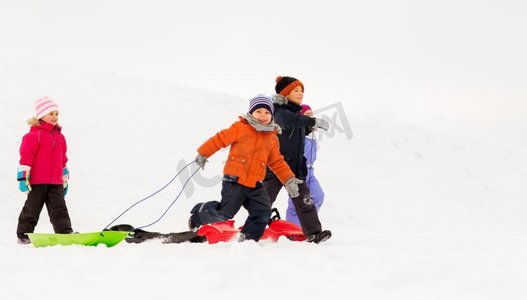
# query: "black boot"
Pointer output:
{"type": "Point", "coordinates": [23, 239]}
{"type": "Point", "coordinates": [192, 226]}
{"type": "Point", "coordinates": [319, 237]}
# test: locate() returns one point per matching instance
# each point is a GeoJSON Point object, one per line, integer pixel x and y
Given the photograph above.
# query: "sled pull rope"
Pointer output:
{"type": "Point", "coordinates": [153, 194]}
{"type": "Point", "coordinates": [174, 201]}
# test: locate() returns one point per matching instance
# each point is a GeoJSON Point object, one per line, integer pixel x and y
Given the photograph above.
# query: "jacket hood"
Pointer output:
{"type": "Point", "coordinates": [279, 99]}
{"type": "Point", "coordinates": [46, 126]}
{"type": "Point", "coordinates": [282, 101]}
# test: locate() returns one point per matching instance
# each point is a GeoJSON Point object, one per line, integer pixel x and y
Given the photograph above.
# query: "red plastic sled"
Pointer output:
{"type": "Point", "coordinates": [280, 228]}
{"type": "Point", "coordinates": [225, 231]}
{"type": "Point", "coordinates": [218, 232]}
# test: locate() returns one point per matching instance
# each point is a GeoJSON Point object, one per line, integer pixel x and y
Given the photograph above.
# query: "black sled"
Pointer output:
{"type": "Point", "coordinates": [139, 235]}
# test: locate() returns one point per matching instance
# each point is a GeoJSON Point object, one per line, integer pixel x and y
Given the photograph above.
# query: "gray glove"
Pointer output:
{"type": "Point", "coordinates": [321, 123]}
{"type": "Point", "coordinates": [200, 161]}
{"type": "Point", "coordinates": [291, 185]}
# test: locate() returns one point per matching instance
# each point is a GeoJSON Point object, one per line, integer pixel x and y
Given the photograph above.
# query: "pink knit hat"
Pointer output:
{"type": "Point", "coordinates": [44, 106]}
{"type": "Point", "coordinates": [305, 108]}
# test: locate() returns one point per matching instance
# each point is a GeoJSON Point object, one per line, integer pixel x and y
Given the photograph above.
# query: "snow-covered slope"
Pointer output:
{"type": "Point", "coordinates": [412, 210]}
{"type": "Point", "coordinates": [427, 201]}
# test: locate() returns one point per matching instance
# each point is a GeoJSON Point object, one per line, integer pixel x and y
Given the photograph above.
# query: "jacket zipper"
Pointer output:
{"type": "Point", "coordinates": [52, 154]}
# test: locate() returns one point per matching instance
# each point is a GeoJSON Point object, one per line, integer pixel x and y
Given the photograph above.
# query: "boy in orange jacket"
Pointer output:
{"type": "Point", "coordinates": [254, 146]}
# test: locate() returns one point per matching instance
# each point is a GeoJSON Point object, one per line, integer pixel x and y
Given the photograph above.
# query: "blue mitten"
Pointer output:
{"type": "Point", "coordinates": [65, 179]}
{"type": "Point", "coordinates": [23, 178]}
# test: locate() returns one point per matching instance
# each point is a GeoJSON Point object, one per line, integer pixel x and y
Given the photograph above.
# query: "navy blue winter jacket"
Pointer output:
{"type": "Point", "coordinates": [295, 127]}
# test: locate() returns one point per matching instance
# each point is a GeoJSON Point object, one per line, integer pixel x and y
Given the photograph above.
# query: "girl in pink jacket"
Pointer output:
{"type": "Point", "coordinates": [42, 173]}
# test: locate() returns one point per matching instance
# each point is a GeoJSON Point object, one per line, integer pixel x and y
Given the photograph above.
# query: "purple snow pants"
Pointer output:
{"type": "Point", "coordinates": [316, 194]}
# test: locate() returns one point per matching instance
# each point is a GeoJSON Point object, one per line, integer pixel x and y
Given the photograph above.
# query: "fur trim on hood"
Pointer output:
{"type": "Point", "coordinates": [279, 99]}
{"type": "Point", "coordinates": [33, 121]}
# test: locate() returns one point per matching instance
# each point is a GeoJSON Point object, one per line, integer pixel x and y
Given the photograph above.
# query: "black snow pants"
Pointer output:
{"type": "Point", "coordinates": [304, 205]}
{"type": "Point", "coordinates": [233, 197]}
{"type": "Point", "coordinates": [53, 196]}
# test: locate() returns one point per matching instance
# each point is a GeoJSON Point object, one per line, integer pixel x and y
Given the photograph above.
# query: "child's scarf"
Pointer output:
{"type": "Point", "coordinates": [260, 127]}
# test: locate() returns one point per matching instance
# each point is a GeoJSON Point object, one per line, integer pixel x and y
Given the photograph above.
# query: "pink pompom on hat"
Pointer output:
{"type": "Point", "coordinates": [44, 106]}
{"type": "Point", "coordinates": [305, 108]}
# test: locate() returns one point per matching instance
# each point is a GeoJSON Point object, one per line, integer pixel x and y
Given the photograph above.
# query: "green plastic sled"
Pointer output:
{"type": "Point", "coordinates": [109, 238]}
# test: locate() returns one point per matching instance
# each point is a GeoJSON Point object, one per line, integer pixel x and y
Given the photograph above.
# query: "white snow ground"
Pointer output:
{"type": "Point", "coordinates": [427, 201]}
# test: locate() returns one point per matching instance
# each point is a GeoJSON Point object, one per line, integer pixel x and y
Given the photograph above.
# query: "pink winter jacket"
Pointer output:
{"type": "Point", "coordinates": [44, 150]}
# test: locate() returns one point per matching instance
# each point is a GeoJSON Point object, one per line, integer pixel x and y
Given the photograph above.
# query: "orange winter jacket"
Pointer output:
{"type": "Point", "coordinates": [251, 151]}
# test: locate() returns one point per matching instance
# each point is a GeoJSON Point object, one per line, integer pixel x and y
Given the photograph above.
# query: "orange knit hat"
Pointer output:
{"type": "Point", "coordinates": [285, 84]}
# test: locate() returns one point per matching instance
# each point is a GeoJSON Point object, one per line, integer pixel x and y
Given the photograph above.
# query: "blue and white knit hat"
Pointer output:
{"type": "Point", "coordinates": [260, 101]}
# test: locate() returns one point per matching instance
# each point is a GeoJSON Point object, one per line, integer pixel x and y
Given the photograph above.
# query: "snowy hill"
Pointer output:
{"type": "Point", "coordinates": [426, 201]}
{"type": "Point", "coordinates": [401, 200]}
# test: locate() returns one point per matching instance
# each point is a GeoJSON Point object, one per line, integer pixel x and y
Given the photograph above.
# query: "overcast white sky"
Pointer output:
{"type": "Point", "coordinates": [417, 61]}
